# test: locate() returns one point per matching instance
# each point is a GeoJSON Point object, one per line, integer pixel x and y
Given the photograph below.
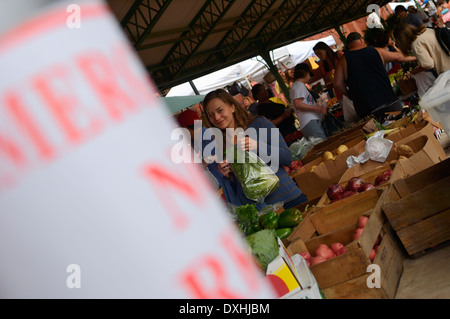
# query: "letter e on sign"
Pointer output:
{"type": "Point", "coordinates": [74, 20]}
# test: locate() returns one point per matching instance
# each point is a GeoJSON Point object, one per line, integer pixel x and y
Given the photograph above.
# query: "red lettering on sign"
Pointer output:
{"type": "Point", "coordinates": [243, 260]}
{"type": "Point", "coordinates": [166, 183]}
{"type": "Point", "coordinates": [139, 86]}
{"type": "Point", "coordinates": [26, 122]}
{"type": "Point", "coordinates": [63, 105]}
{"type": "Point", "coordinates": [100, 74]}
{"type": "Point", "coordinates": [207, 276]}
{"type": "Point", "coordinates": [215, 288]}
{"type": "Point", "coordinates": [12, 151]}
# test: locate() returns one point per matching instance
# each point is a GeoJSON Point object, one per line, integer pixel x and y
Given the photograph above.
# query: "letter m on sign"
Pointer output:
{"type": "Point", "coordinates": [168, 184]}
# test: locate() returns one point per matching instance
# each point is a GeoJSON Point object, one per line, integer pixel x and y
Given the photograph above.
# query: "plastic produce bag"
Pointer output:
{"type": "Point", "coordinates": [377, 149]}
{"type": "Point", "coordinates": [301, 147]}
{"type": "Point", "coordinates": [256, 178]}
{"type": "Point", "coordinates": [424, 80]}
{"type": "Point", "coordinates": [349, 110]}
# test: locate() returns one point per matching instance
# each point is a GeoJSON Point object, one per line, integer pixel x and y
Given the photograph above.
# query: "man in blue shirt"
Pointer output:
{"type": "Point", "coordinates": [408, 17]}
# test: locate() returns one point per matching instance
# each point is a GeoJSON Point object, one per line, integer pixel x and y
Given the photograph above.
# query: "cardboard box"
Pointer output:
{"type": "Point", "coordinates": [422, 128]}
{"type": "Point", "coordinates": [295, 273]}
{"type": "Point", "coordinates": [314, 183]}
{"type": "Point", "coordinates": [424, 196]}
{"type": "Point", "coordinates": [427, 152]}
{"type": "Point", "coordinates": [331, 145]}
{"type": "Point", "coordinates": [368, 177]}
{"type": "Point", "coordinates": [352, 133]}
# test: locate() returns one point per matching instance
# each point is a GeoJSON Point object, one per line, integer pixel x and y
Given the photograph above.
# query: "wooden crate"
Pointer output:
{"type": "Point", "coordinates": [345, 276]}
{"type": "Point", "coordinates": [418, 209]}
{"type": "Point", "coordinates": [350, 141]}
{"type": "Point", "coordinates": [346, 211]}
{"type": "Point", "coordinates": [323, 220]}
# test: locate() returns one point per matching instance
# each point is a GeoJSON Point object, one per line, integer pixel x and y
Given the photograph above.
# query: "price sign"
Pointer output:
{"type": "Point", "coordinates": [91, 204]}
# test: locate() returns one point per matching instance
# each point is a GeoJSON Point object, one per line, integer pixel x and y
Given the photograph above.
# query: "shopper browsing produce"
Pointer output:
{"type": "Point", "coordinates": [224, 112]}
{"type": "Point", "coordinates": [361, 75]}
{"type": "Point", "coordinates": [310, 115]}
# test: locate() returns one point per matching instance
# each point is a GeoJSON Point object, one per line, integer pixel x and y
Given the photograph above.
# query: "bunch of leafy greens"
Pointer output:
{"type": "Point", "coordinates": [256, 178]}
{"type": "Point", "coordinates": [247, 218]}
{"type": "Point", "coordinates": [264, 246]}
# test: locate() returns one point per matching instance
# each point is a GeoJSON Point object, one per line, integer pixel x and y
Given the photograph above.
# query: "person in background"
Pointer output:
{"type": "Point", "coordinates": [280, 115]}
{"type": "Point", "coordinates": [250, 105]}
{"type": "Point", "coordinates": [328, 60]}
{"type": "Point", "coordinates": [441, 9]}
{"type": "Point", "coordinates": [361, 75]}
{"type": "Point", "coordinates": [310, 114]}
{"type": "Point", "coordinates": [278, 91]}
{"type": "Point", "coordinates": [224, 112]}
{"type": "Point", "coordinates": [422, 15]}
{"type": "Point", "coordinates": [409, 18]}
{"type": "Point", "coordinates": [289, 75]}
{"type": "Point", "coordinates": [424, 45]}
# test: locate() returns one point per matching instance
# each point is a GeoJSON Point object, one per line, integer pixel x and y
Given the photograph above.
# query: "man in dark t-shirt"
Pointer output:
{"type": "Point", "coordinates": [281, 116]}
{"type": "Point", "coordinates": [361, 75]}
{"type": "Point", "coordinates": [409, 17]}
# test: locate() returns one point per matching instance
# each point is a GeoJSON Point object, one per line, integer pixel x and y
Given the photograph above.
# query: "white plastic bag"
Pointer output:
{"type": "Point", "coordinates": [424, 80]}
{"type": "Point", "coordinates": [349, 110]}
{"type": "Point", "coordinates": [377, 149]}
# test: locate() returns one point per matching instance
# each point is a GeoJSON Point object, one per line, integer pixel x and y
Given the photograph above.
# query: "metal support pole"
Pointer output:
{"type": "Point", "coordinates": [274, 70]}
{"type": "Point", "coordinates": [194, 87]}
{"type": "Point", "coordinates": [341, 35]}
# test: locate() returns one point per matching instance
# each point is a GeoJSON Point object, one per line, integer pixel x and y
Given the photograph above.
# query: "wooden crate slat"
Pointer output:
{"type": "Point", "coordinates": [344, 267]}
{"type": "Point", "coordinates": [424, 178]}
{"type": "Point", "coordinates": [419, 205]}
{"type": "Point", "coordinates": [426, 233]}
{"type": "Point", "coordinates": [355, 288]}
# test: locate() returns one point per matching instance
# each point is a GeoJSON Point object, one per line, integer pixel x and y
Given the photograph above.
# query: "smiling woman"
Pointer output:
{"type": "Point", "coordinates": [225, 113]}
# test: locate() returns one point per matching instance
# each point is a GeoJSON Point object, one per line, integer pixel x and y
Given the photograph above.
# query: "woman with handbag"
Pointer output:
{"type": "Point", "coordinates": [224, 112]}
{"type": "Point", "coordinates": [425, 46]}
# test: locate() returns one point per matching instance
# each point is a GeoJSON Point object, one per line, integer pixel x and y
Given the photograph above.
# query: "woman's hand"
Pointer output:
{"type": "Point", "coordinates": [247, 144]}
{"type": "Point", "coordinates": [224, 169]}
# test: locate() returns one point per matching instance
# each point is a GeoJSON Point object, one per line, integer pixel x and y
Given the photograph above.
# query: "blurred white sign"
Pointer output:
{"type": "Point", "coordinates": [91, 205]}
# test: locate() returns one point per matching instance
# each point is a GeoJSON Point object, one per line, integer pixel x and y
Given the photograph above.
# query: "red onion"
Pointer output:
{"type": "Point", "coordinates": [347, 194]}
{"type": "Point", "coordinates": [366, 187]}
{"type": "Point", "coordinates": [355, 183]}
{"type": "Point", "coordinates": [334, 191]}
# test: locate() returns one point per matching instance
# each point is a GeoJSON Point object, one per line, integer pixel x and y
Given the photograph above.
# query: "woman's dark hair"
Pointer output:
{"type": "Point", "coordinates": [331, 55]}
{"type": "Point", "coordinates": [382, 39]}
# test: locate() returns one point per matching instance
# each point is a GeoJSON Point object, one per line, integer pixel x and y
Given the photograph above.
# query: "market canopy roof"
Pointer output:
{"type": "Point", "coordinates": [179, 40]}
{"type": "Point", "coordinates": [177, 103]}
